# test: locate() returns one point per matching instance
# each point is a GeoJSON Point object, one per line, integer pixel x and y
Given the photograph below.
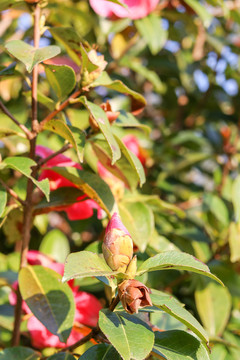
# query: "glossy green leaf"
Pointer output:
{"type": "Point", "coordinates": [30, 56]}
{"type": "Point", "coordinates": [68, 37]}
{"type": "Point", "coordinates": [117, 85]}
{"type": "Point", "coordinates": [133, 160]}
{"type": "Point", "coordinates": [217, 208]}
{"type": "Point", "coordinates": [72, 134]}
{"type": "Point", "coordinates": [148, 74]}
{"type": "Point", "coordinates": [62, 356]}
{"type": "Point", "coordinates": [101, 352]}
{"type": "Point", "coordinates": [130, 336]}
{"type": "Point", "coordinates": [91, 184]}
{"type": "Point", "coordinates": [151, 29]}
{"type": "Point", "coordinates": [138, 219]}
{"type": "Point", "coordinates": [49, 299]}
{"type": "Point", "coordinates": [234, 241]}
{"type": "Point", "coordinates": [3, 200]}
{"type": "Point", "coordinates": [176, 260]}
{"type": "Point", "coordinates": [126, 119]}
{"type": "Point", "coordinates": [201, 11]}
{"type": "Point", "coordinates": [24, 165]}
{"type": "Point", "coordinates": [83, 264]}
{"type": "Point", "coordinates": [61, 79]}
{"type": "Point", "coordinates": [101, 118]}
{"type": "Point", "coordinates": [174, 308]}
{"type": "Point", "coordinates": [10, 132]}
{"type": "Point", "coordinates": [179, 345]}
{"type": "Point", "coordinates": [236, 198]}
{"type": "Point", "coordinates": [12, 224]}
{"type": "Point", "coordinates": [55, 244]}
{"type": "Point", "coordinates": [211, 301]}
{"type": "Point", "coordinates": [219, 352]}
{"type": "Point", "coordinates": [58, 200]}
{"type": "Point", "coordinates": [19, 353]}
{"type": "Point", "coordinates": [5, 4]}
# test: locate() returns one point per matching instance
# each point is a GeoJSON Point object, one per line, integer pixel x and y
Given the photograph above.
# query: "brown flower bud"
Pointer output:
{"type": "Point", "coordinates": [134, 295]}
{"type": "Point", "coordinates": [118, 245]}
{"type": "Point", "coordinates": [111, 115]}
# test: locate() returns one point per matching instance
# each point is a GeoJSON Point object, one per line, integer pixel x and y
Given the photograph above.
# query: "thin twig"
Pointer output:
{"type": "Point", "coordinates": [114, 303]}
{"type": "Point", "coordinates": [21, 126]}
{"type": "Point", "coordinates": [12, 192]}
{"type": "Point", "coordinates": [62, 150]}
{"type": "Point", "coordinates": [27, 215]}
{"type": "Point", "coordinates": [60, 108]}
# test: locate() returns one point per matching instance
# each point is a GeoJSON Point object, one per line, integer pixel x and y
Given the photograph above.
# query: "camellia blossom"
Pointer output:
{"type": "Point", "coordinates": [86, 314]}
{"type": "Point", "coordinates": [137, 9]}
{"type": "Point", "coordinates": [82, 209]}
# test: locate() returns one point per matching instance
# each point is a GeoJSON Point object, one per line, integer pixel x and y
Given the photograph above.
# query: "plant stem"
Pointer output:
{"type": "Point", "coordinates": [62, 150]}
{"type": "Point", "coordinates": [12, 192]}
{"type": "Point", "coordinates": [27, 215]}
{"type": "Point", "coordinates": [21, 126]}
{"type": "Point", "coordinates": [60, 108]}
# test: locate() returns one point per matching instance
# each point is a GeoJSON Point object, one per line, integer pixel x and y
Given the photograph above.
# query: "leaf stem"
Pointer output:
{"type": "Point", "coordinates": [27, 215]}
{"type": "Point", "coordinates": [21, 126]}
{"type": "Point", "coordinates": [12, 192]}
{"type": "Point", "coordinates": [60, 108]}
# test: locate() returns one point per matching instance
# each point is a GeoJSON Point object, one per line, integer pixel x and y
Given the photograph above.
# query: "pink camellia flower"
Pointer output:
{"type": "Point", "coordinates": [86, 314]}
{"type": "Point", "coordinates": [82, 209]}
{"type": "Point", "coordinates": [137, 9]}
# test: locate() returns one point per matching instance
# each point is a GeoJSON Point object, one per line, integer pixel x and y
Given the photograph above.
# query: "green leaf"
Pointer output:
{"type": "Point", "coordinates": [179, 345]}
{"type": "Point", "coordinates": [101, 118]}
{"type": "Point", "coordinates": [24, 165]}
{"type": "Point", "coordinates": [130, 336]}
{"type": "Point", "coordinates": [55, 243]}
{"type": "Point", "coordinates": [219, 352]}
{"type": "Point", "coordinates": [5, 4]}
{"type": "Point", "coordinates": [49, 300]}
{"type": "Point", "coordinates": [217, 208]}
{"type": "Point", "coordinates": [19, 353]}
{"type": "Point", "coordinates": [68, 37]}
{"type": "Point", "coordinates": [174, 308]}
{"type": "Point", "coordinates": [10, 132]}
{"type": "Point", "coordinates": [91, 184]}
{"type": "Point", "coordinates": [236, 198]}
{"type": "Point", "coordinates": [3, 200]}
{"type": "Point", "coordinates": [176, 260]}
{"type": "Point", "coordinates": [72, 134]}
{"type": "Point", "coordinates": [201, 11]}
{"type": "Point", "coordinates": [62, 356]}
{"type": "Point", "coordinates": [234, 241]}
{"type": "Point", "coordinates": [211, 301]}
{"type": "Point", "coordinates": [150, 75]}
{"type": "Point", "coordinates": [138, 219]}
{"type": "Point", "coordinates": [150, 27]}
{"type": "Point", "coordinates": [85, 263]}
{"type": "Point", "coordinates": [119, 3]}
{"type": "Point", "coordinates": [117, 85]}
{"type": "Point", "coordinates": [30, 56]}
{"type": "Point", "coordinates": [61, 79]}
{"type": "Point", "coordinates": [126, 119]}
{"type": "Point", "coordinates": [58, 200]}
{"type": "Point", "coordinates": [101, 352]}
{"type": "Point", "coordinates": [133, 160]}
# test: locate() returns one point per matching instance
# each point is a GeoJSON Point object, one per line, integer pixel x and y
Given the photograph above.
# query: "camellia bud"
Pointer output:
{"type": "Point", "coordinates": [118, 245]}
{"type": "Point", "coordinates": [134, 295]}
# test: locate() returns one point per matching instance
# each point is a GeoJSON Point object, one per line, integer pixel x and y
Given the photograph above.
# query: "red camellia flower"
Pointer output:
{"type": "Point", "coordinates": [82, 209]}
{"type": "Point", "coordinates": [137, 9]}
{"type": "Point", "coordinates": [86, 314]}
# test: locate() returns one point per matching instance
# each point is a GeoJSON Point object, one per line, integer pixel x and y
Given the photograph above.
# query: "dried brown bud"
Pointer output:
{"type": "Point", "coordinates": [134, 295]}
